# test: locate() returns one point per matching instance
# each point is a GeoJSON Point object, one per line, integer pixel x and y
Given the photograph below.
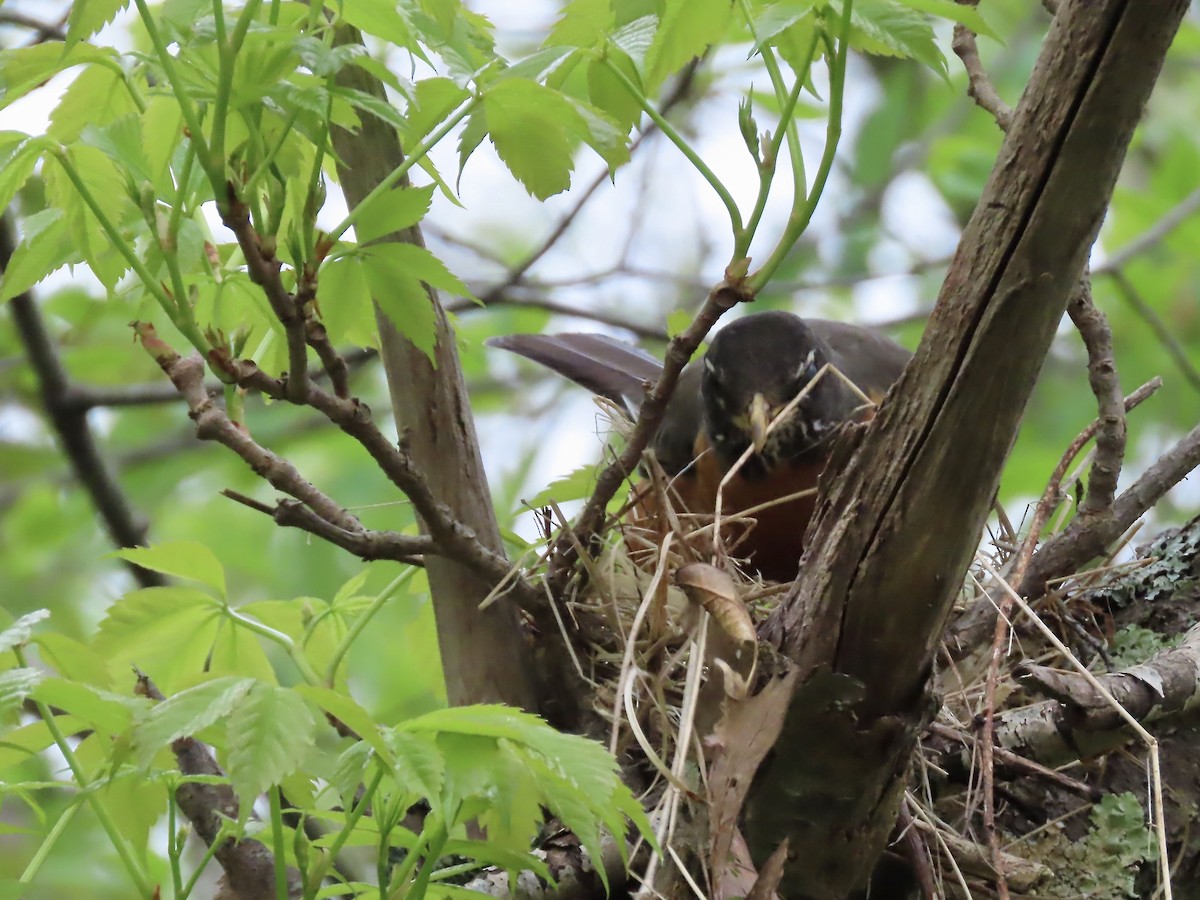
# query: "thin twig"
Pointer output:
{"type": "Point", "coordinates": [723, 297]}
{"type": "Point", "coordinates": [979, 85]}
{"type": "Point", "coordinates": [1106, 386]}
{"type": "Point", "coordinates": [1178, 355]}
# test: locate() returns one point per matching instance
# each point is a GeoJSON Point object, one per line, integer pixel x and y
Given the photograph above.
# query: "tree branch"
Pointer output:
{"type": "Point", "coordinates": [75, 437]}
{"type": "Point", "coordinates": [894, 533]}
{"type": "Point", "coordinates": [208, 802]}
{"type": "Point", "coordinates": [722, 298]}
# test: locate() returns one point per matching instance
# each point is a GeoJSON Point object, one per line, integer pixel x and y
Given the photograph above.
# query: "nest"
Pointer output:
{"type": "Point", "coordinates": [678, 616]}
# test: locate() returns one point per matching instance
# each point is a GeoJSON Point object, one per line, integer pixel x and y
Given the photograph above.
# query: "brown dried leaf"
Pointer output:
{"type": "Point", "coordinates": [713, 589]}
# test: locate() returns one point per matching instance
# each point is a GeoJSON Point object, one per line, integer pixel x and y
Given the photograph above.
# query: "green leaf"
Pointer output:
{"type": "Point", "coordinates": [418, 765]}
{"type": "Point", "coordinates": [162, 130]}
{"type": "Point", "coordinates": [183, 559]}
{"type": "Point", "coordinates": [393, 211]}
{"type": "Point", "coordinates": [582, 24]}
{"type": "Point", "coordinates": [344, 299]}
{"type": "Point", "coordinates": [236, 650]}
{"type": "Point", "coordinates": [15, 686]}
{"type": "Point", "coordinates": [44, 247]}
{"type": "Point", "coordinates": [416, 262]}
{"type": "Point", "coordinates": [575, 485]}
{"type": "Point", "coordinates": [269, 733]}
{"type": "Point", "coordinates": [165, 631]}
{"type": "Point", "coordinates": [531, 128]}
{"type": "Point", "coordinates": [18, 745]}
{"type": "Point", "coordinates": [25, 68]}
{"type": "Point", "coordinates": [96, 97]}
{"type": "Point", "coordinates": [88, 17]}
{"type": "Point", "coordinates": [686, 29]}
{"type": "Point", "coordinates": [17, 634]}
{"type": "Point", "coordinates": [346, 710]}
{"type": "Point", "coordinates": [777, 18]}
{"type": "Point", "coordinates": [433, 99]}
{"type": "Point", "coordinates": [121, 141]}
{"type": "Point", "coordinates": [381, 18]}
{"type": "Point", "coordinates": [109, 712]}
{"type": "Point", "coordinates": [406, 304]}
{"type": "Point", "coordinates": [188, 713]}
{"type": "Point", "coordinates": [887, 28]}
{"type": "Point", "coordinates": [954, 12]}
{"type": "Point", "coordinates": [607, 92]}
{"type": "Point", "coordinates": [19, 156]}
{"type": "Point", "coordinates": [73, 660]}
{"type": "Point", "coordinates": [473, 133]}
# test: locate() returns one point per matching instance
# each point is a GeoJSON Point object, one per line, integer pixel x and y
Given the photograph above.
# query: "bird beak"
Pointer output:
{"type": "Point", "coordinates": [760, 418]}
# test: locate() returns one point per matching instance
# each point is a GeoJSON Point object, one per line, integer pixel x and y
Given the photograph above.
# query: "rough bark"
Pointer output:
{"type": "Point", "coordinates": [895, 533]}
{"type": "Point", "coordinates": [484, 657]}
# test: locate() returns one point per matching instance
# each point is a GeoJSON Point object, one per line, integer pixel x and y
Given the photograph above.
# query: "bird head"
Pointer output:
{"type": "Point", "coordinates": [754, 368]}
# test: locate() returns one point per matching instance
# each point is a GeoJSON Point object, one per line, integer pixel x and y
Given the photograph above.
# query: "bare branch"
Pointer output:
{"type": "Point", "coordinates": [462, 305]}
{"type": "Point", "coordinates": [979, 85]}
{"type": "Point", "coordinates": [207, 800]}
{"type": "Point", "coordinates": [69, 422]}
{"type": "Point", "coordinates": [1082, 541]}
{"type": "Point", "coordinates": [970, 629]}
{"type": "Point", "coordinates": [1106, 386]}
{"type": "Point", "coordinates": [1153, 236]}
{"type": "Point", "coordinates": [1178, 355]}
{"type": "Point", "coordinates": [364, 543]}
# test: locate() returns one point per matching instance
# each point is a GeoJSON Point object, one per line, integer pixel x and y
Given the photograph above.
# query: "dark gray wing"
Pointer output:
{"type": "Point", "coordinates": [869, 359]}
{"type": "Point", "coordinates": [620, 371]}
{"type": "Point", "coordinates": [602, 364]}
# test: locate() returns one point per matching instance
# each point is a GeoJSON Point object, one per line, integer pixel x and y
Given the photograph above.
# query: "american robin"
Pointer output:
{"type": "Point", "coordinates": [724, 405]}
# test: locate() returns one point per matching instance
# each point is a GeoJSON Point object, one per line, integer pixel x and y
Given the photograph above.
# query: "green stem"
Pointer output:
{"type": "Point", "coordinates": [179, 314]}
{"type": "Point", "coordinates": [174, 845]}
{"type": "Point", "coordinates": [317, 874]}
{"type": "Point", "coordinates": [113, 832]}
{"type": "Point", "coordinates": [281, 879]}
{"type": "Point", "coordinates": [735, 215]}
{"type": "Point", "coordinates": [404, 871]}
{"type": "Point", "coordinates": [269, 158]}
{"type": "Point", "coordinates": [432, 855]}
{"type": "Point", "coordinates": [787, 127]}
{"type": "Point", "coordinates": [278, 637]}
{"type": "Point", "coordinates": [228, 51]}
{"type": "Point", "coordinates": [43, 851]}
{"type": "Point", "coordinates": [766, 175]}
{"type": "Point", "coordinates": [362, 621]}
{"type": "Point", "coordinates": [418, 153]}
{"type": "Point", "coordinates": [185, 176]}
{"type": "Point", "coordinates": [190, 117]}
{"type": "Point", "coordinates": [802, 209]}
{"type": "Point", "coordinates": [209, 852]}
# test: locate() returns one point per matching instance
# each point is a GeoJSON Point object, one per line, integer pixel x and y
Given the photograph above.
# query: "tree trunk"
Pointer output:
{"type": "Point", "coordinates": [484, 656]}
{"type": "Point", "coordinates": [894, 535]}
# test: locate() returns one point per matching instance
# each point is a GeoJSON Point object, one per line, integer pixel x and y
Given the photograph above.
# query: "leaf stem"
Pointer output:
{"type": "Point", "coordinates": [277, 847]}
{"type": "Point", "coordinates": [113, 832]}
{"type": "Point", "coordinates": [227, 51]}
{"type": "Point", "coordinates": [278, 637]}
{"type": "Point", "coordinates": [418, 153]}
{"type": "Point", "coordinates": [362, 621]}
{"type": "Point", "coordinates": [317, 874]}
{"type": "Point", "coordinates": [803, 207]}
{"type": "Point", "coordinates": [190, 117]}
{"type": "Point", "coordinates": [735, 215]}
{"type": "Point", "coordinates": [179, 313]}
{"type": "Point", "coordinates": [43, 850]}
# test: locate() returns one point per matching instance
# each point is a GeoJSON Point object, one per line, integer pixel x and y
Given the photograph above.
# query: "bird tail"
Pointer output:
{"type": "Point", "coordinates": [602, 364]}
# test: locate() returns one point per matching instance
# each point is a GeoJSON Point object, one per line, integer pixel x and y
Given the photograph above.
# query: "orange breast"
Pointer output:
{"type": "Point", "coordinates": [770, 536]}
